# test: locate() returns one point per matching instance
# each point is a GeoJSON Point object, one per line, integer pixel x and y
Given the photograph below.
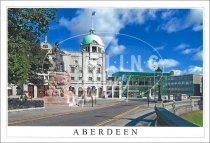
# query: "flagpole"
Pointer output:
{"type": "Point", "coordinates": [92, 21]}
{"type": "Point", "coordinates": [93, 13]}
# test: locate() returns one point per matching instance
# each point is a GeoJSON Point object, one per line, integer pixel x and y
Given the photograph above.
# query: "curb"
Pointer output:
{"type": "Point", "coordinates": [26, 109]}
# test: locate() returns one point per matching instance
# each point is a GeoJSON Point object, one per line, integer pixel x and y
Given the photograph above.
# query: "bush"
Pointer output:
{"type": "Point", "coordinates": [15, 103]}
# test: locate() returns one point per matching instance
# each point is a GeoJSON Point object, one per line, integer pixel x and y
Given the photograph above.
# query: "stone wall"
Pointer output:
{"type": "Point", "coordinates": [185, 106]}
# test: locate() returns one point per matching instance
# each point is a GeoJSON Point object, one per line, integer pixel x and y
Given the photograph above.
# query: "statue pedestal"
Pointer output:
{"type": "Point", "coordinates": [58, 100]}
{"type": "Point", "coordinates": [58, 92]}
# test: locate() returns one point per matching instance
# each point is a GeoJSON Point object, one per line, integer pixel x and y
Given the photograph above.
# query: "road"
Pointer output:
{"type": "Point", "coordinates": [122, 114]}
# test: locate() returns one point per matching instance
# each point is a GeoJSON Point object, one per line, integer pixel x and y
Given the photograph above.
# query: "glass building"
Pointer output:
{"type": "Point", "coordinates": [138, 84]}
{"type": "Point", "coordinates": [144, 84]}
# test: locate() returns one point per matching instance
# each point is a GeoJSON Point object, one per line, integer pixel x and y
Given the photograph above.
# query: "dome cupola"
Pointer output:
{"type": "Point", "coordinates": [92, 38]}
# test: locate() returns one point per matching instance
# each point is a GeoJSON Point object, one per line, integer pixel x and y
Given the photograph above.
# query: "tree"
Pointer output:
{"type": "Point", "coordinates": [38, 64]}
{"type": "Point", "coordinates": [25, 26]}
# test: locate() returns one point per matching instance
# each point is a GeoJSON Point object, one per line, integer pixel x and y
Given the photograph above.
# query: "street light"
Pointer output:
{"type": "Point", "coordinates": [128, 87]}
{"type": "Point", "coordinates": [159, 95]}
{"type": "Point", "coordinates": [148, 98]}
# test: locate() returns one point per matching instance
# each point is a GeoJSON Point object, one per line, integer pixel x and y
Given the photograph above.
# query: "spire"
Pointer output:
{"type": "Point", "coordinates": [45, 39]}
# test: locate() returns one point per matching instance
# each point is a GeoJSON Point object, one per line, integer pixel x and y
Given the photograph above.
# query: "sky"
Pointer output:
{"type": "Point", "coordinates": [136, 39]}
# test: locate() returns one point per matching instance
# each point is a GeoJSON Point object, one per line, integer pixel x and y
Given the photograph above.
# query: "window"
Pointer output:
{"type": "Point", "coordinates": [72, 69]}
{"type": "Point", "coordinates": [90, 78]}
{"type": "Point", "coordinates": [94, 49]}
{"type": "Point", "coordinates": [90, 70]}
{"type": "Point", "coordinates": [141, 83]}
{"type": "Point", "coordinates": [87, 49]}
{"type": "Point", "coordinates": [80, 78]}
{"type": "Point", "coordinates": [72, 78]}
{"type": "Point", "coordinates": [98, 79]}
{"type": "Point", "coordinates": [99, 49]}
{"type": "Point", "coordinates": [98, 70]}
{"type": "Point", "coordinates": [80, 70]}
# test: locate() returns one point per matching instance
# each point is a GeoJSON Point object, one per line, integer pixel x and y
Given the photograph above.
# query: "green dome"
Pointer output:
{"type": "Point", "coordinates": [92, 37]}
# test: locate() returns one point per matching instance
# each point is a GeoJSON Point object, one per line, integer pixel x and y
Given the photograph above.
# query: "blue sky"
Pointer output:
{"type": "Point", "coordinates": [175, 36]}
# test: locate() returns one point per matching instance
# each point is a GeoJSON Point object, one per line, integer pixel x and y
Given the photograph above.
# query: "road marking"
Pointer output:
{"type": "Point", "coordinates": [118, 116]}
{"type": "Point", "coordinates": [56, 115]}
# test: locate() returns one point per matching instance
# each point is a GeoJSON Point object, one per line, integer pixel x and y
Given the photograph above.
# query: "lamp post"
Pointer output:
{"type": "Point", "coordinates": [128, 87]}
{"type": "Point", "coordinates": [91, 92]}
{"type": "Point", "coordinates": [148, 98]}
{"type": "Point", "coordinates": [159, 94]}
{"type": "Point", "coordinates": [95, 96]}
{"type": "Point", "coordinates": [154, 82]}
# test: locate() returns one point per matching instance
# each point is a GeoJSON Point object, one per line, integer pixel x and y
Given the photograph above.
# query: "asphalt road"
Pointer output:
{"type": "Point", "coordinates": [89, 118]}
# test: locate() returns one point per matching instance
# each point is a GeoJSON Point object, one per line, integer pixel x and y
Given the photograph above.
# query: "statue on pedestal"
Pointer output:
{"type": "Point", "coordinates": [59, 81]}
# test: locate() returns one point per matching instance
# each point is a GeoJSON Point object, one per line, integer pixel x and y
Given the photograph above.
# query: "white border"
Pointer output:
{"type": "Point", "coordinates": [62, 134]}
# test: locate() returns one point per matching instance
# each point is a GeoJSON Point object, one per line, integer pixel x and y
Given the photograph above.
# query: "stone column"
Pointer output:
{"type": "Point", "coordinates": [120, 91]}
{"type": "Point", "coordinates": [103, 67]}
{"type": "Point", "coordinates": [35, 91]}
{"type": "Point", "coordinates": [104, 91]}
{"type": "Point", "coordinates": [76, 91]}
{"type": "Point", "coordinates": [84, 65]}
{"type": "Point", "coordinates": [97, 91]}
{"type": "Point", "coordinates": [112, 91]}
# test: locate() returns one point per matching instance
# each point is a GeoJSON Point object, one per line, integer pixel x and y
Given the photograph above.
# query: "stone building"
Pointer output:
{"type": "Point", "coordinates": [87, 67]}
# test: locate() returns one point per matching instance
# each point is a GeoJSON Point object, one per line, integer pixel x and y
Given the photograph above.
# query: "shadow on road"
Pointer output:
{"type": "Point", "coordinates": [148, 119]}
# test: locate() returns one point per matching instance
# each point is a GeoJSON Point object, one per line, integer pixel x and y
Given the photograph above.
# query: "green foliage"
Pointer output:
{"type": "Point", "coordinates": [25, 26]}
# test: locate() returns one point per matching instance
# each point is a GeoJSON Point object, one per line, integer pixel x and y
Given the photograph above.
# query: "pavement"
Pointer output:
{"type": "Point", "coordinates": [106, 112]}
{"type": "Point", "coordinates": [142, 117]}
{"type": "Point", "coordinates": [58, 109]}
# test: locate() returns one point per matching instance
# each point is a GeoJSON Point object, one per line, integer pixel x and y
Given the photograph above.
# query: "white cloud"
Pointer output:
{"type": "Point", "coordinates": [166, 63]}
{"type": "Point", "coordinates": [115, 48]}
{"type": "Point", "coordinates": [197, 27]}
{"type": "Point", "coordinates": [195, 70]}
{"type": "Point", "coordinates": [106, 20]}
{"type": "Point", "coordinates": [167, 14]}
{"type": "Point", "coordinates": [189, 51]}
{"type": "Point", "coordinates": [111, 69]}
{"type": "Point", "coordinates": [190, 70]}
{"type": "Point", "coordinates": [198, 55]}
{"type": "Point", "coordinates": [178, 72]}
{"type": "Point", "coordinates": [181, 46]}
{"type": "Point", "coordinates": [194, 19]}
{"type": "Point", "coordinates": [173, 25]}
